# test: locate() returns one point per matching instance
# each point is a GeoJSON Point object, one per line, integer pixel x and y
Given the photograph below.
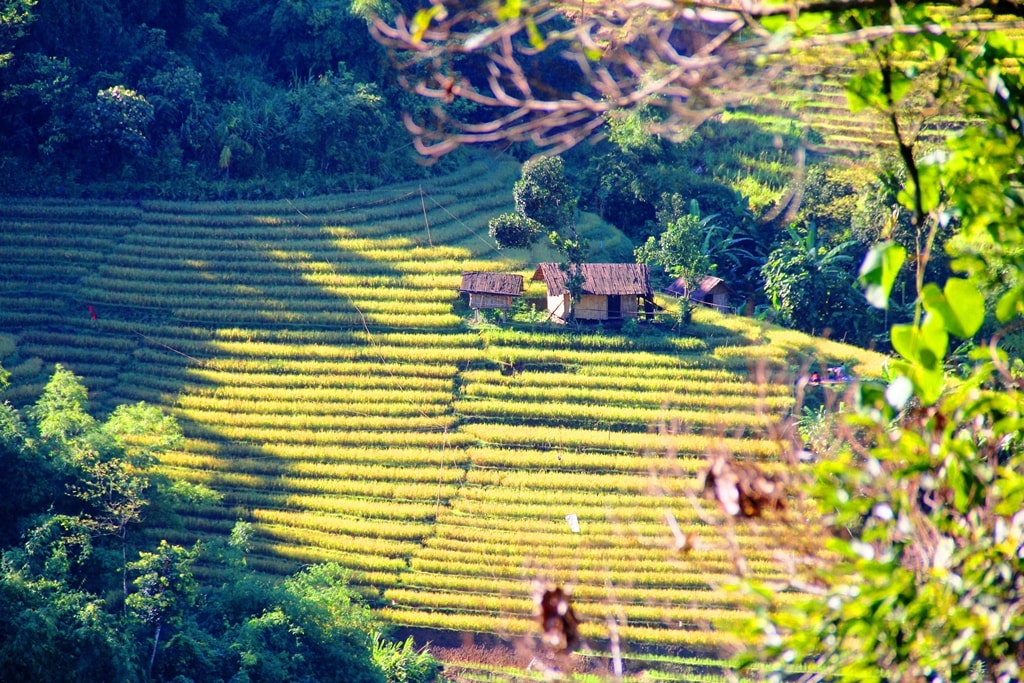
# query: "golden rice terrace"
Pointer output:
{"type": "Point", "coordinates": [334, 395]}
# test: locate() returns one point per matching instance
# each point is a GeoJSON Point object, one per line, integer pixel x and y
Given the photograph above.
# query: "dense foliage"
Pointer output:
{"type": "Point", "coordinates": [514, 230]}
{"type": "Point", "coordinates": [922, 481]}
{"type": "Point", "coordinates": [681, 250]}
{"type": "Point", "coordinates": [214, 97]}
{"type": "Point", "coordinates": [75, 607]}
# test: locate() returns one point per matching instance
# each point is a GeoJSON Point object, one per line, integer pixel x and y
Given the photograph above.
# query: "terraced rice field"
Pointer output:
{"type": "Point", "coordinates": [805, 96]}
{"type": "Point", "coordinates": [334, 395]}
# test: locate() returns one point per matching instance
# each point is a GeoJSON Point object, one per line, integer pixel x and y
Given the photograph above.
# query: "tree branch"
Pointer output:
{"type": "Point", "coordinates": [688, 59]}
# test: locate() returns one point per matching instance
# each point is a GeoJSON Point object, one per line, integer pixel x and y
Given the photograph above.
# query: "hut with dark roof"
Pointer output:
{"type": "Point", "coordinates": [611, 291]}
{"type": "Point", "coordinates": [710, 291]}
{"type": "Point", "coordinates": [491, 290]}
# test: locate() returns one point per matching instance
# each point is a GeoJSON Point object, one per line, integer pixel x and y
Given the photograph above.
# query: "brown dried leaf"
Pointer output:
{"type": "Point", "coordinates": [558, 620]}
{"type": "Point", "coordinates": [741, 489]}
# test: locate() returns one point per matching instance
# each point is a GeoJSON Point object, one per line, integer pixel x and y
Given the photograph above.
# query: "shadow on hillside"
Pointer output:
{"type": "Point", "coordinates": [148, 305]}
{"type": "Point", "coordinates": [162, 310]}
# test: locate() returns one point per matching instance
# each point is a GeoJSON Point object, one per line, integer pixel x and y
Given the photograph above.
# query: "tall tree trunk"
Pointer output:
{"type": "Point", "coordinates": [156, 643]}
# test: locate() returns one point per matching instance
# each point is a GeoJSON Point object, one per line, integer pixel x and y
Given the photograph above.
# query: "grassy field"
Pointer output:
{"type": "Point", "coordinates": [334, 394]}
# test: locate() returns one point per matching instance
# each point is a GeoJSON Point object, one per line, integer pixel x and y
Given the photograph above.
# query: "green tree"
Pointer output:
{"type": "Point", "coordinates": [15, 18]}
{"type": "Point", "coordinates": [544, 194]}
{"type": "Point", "coordinates": [113, 466]}
{"type": "Point", "coordinates": [118, 125]}
{"type": "Point", "coordinates": [60, 414]}
{"type": "Point", "coordinates": [927, 485]}
{"type": "Point", "coordinates": [514, 230]}
{"type": "Point", "coordinates": [310, 37]}
{"type": "Point", "coordinates": [29, 476]}
{"type": "Point", "coordinates": [615, 187]}
{"type": "Point", "coordinates": [574, 250]}
{"type": "Point", "coordinates": [164, 589]}
{"type": "Point", "coordinates": [545, 199]}
{"type": "Point", "coordinates": [52, 632]}
{"type": "Point", "coordinates": [98, 473]}
{"type": "Point", "coordinates": [338, 124]}
{"type": "Point", "coordinates": [315, 630]}
{"type": "Point", "coordinates": [811, 285]}
{"type": "Point", "coordinates": [680, 250]}
{"type": "Point", "coordinates": [77, 485]}
{"type": "Point", "coordinates": [142, 432]}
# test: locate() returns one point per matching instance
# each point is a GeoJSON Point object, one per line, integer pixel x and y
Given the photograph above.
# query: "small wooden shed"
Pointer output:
{"type": "Point", "coordinates": [710, 291]}
{"type": "Point", "coordinates": [491, 290]}
{"type": "Point", "coordinates": [611, 291]}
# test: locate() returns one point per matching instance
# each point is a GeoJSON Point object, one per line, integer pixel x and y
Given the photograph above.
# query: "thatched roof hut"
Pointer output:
{"type": "Point", "coordinates": [611, 291]}
{"type": "Point", "coordinates": [491, 290]}
{"type": "Point", "coordinates": [710, 291]}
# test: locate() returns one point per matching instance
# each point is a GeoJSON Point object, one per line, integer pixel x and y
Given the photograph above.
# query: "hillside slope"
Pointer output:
{"type": "Point", "coordinates": [333, 394]}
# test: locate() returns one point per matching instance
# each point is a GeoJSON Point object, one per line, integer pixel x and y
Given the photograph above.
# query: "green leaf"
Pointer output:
{"type": "Point", "coordinates": [773, 23]}
{"type": "Point", "coordinates": [937, 46]}
{"type": "Point", "coordinates": [865, 90]}
{"type": "Point", "coordinates": [957, 482]}
{"type": "Point", "coordinates": [967, 304]}
{"type": "Point", "coordinates": [924, 348]}
{"type": "Point", "coordinates": [903, 338]}
{"type": "Point", "coordinates": [812, 22]}
{"type": "Point", "coordinates": [934, 342]}
{"type": "Point", "coordinates": [928, 176]}
{"type": "Point", "coordinates": [537, 41]}
{"type": "Point", "coordinates": [879, 270]}
{"type": "Point", "coordinates": [423, 18]}
{"type": "Point", "coordinates": [900, 85]}
{"type": "Point", "coordinates": [905, 197]}
{"type": "Point", "coordinates": [871, 401]}
{"type": "Point", "coordinates": [929, 384]}
{"type": "Point", "coordinates": [961, 307]}
{"type": "Point", "coordinates": [1005, 46]}
{"type": "Point", "coordinates": [1010, 304]}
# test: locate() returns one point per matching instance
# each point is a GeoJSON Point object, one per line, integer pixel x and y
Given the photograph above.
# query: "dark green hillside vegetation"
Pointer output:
{"type": "Point", "coordinates": [86, 596]}
{"type": "Point", "coordinates": [784, 215]}
{"type": "Point", "coordinates": [198, 99]}
{"type": "Point", "coordinates": [330, 391]}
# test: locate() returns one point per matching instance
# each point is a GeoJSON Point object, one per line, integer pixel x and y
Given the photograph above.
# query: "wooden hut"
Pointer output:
{"type": "Point", "coordinates": [611, 291]}
{"type": "Point", "coordinates": [710, 291]}
{"type": "Point", "coordinates": [491, 290]}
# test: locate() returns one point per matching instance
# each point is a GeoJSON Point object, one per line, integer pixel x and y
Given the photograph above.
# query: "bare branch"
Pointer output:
{"type": "Point", "coordinates": [687, 59]}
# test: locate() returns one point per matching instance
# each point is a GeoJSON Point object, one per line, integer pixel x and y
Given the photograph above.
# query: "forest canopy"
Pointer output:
{"type": "Point", "coordinates": [192, 99]}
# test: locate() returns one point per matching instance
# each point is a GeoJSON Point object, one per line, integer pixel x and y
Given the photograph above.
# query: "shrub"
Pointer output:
{"type": "Point", "coordinates": [514, 231]}
{"type": "Point", "coordinates": [402, 663]}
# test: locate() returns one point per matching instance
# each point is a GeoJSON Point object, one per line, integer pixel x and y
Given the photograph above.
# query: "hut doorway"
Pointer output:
{"type": "Point", "coordinates": [614, 307]}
